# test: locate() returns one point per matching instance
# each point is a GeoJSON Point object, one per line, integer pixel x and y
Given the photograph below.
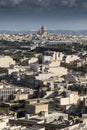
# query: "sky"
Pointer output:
{"type": "Point", "coordinates": [16, 15]}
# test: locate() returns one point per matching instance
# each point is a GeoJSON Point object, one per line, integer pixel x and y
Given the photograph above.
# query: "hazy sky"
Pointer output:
{"type": "Point", "coordinates": [54, 14]}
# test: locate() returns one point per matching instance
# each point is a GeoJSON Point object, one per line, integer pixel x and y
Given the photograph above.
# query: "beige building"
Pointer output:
{"type": "Point", "coordinates": [59, 71]}
{"type": "Point", "coordinates": [39, 100]}
{"type": "Point", "coordinates": [21, 97]}
{"type": "Point", "coordinates": [43, 31]}
{"type": "Point", "coordinates": [44, 76]}
{"type": "Point", "coordinates": [35, 128]}
{"type": "Point", "coordinates": [50, 56]}
{"type": "Point", "coordinates": [71, 58]}
{"type": "Point", "coordinates": [36, 108]}
{"type": "Point", "coordinates": [5, 61]}
{"type": "Point", "coordinates": [12, 70]}
{"type": "Point", "coordinates": [4, 119]}
{"type": "Point", "coordinates": [3, 124]}
{"type": "Point", "coordinates": [84, 118]}
{"type": "Point", "coordinates": [54, 64]}
{"type": "Point", "coordinates": [72, 98]}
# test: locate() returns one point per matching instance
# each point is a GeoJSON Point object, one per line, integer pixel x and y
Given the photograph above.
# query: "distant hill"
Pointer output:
{"type": "Point", "coordinates": [15, 32]}
{"type": "Point", "coordinates": [69, 32]}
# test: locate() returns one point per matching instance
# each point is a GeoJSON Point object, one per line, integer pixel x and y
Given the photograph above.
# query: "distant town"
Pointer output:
{"type": "Point", "coordinates": [43, 81]}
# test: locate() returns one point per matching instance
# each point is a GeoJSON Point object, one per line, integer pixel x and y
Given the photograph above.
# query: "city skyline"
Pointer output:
{"type": "Point", "coordinates": [17, 15]}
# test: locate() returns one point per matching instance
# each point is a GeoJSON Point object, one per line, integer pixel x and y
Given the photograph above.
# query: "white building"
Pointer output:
{"type": "Point", "coordinates": [5, 61]}
{"type": "Point", "coordinates": [33, 60]}
{"type": "Point", "coordinates": [50, 56]}
{"type": "Point", "coordinates": [71, 58]}
{"type": "Point", "coordinates": [53, 60]}
{"type": "Point", "coordinates": [12, 69]}
{"type": "Point", "coordinates": [4, 121]}
{"type": "Point", "coordinates": [44, 76]}
{"type": "Point", "coordinates": [72, 98]}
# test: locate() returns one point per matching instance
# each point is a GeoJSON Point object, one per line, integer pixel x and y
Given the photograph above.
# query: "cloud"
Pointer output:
{"type": "Point", "coordinates": [16, 2]}
{"type": "Point", "coordinates": [84, 5]}
{"type": "Point", "coordinates": [9, 3]}
{"type": "Point", "coordinates": [44, 4]}
{"type": "Point", "coordinates": [3, 3]}
{"type": "Point", "coordinates": [69, 3]}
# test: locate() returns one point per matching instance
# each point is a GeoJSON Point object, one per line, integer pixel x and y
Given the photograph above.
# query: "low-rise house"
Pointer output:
{"type": "Point", "coordinates": [21, 96]}
{"type": "Point", "coordinates": [67, 101]}
{"type": "Point", "coordinates": [59, 71]}
{"type": "Point", "coordinates": [71, 58]}
{"type": "Point", "coordinates": [36, 108]}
